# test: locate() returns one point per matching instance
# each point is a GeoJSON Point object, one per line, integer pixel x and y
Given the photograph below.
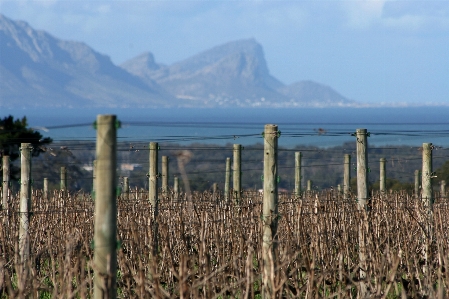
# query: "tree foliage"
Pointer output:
{"type": "Point", "coordinates": [13, 132]}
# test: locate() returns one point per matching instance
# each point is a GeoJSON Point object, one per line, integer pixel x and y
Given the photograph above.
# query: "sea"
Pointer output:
{"type": "Point", "coordinates": [320, 127]}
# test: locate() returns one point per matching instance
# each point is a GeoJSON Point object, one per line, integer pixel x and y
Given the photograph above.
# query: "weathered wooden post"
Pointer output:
{"type": "Point", "coordinates": [105, 228]}
{"type": "Point", "coordinates": [94, 173]}
{"type": "Point", "coordinates": [362, 168]}
{"type": "Point", "coordinates": [164, 165]}
{"type": "Point", "coordinates": [45, 188]}
{"type": "Point", "coordinates": [270, 210]}
{"type": "Point", "coordinates": [5, 184]}
{"type": "Point", "coordinates": [63, 184]}
{"type": "Point", "coordinates": [227, 179]}
{"type": "Point", "coordinates": [443, 189]}
{"type": "Point", "coordinates": [347, 176]}
{"type": "Point", "coordinates": [298, 156]}
{"type": "Point", "coordinates": [382, 178]}
{"type": "Point", "coordinates": [417, 183]}
{"type": "Point", "coordinates": [153, 176]}
{"type": "Point", "coordinates": [214, 191]}
{"type": "Point", "coordinates": [153, 197]}
{"type": "Point", "coordinates": [126, 188]}
{"type": "Point", "coordinates": [362, 198]}
{"type": "Point", "coordinates": [25, 204]}
{"type": "Point", "coordinates": [309, 187]}
{"type": "Point", "coordinates": [237, 180]}
{"type": "Point", "coordinates": [176, 187]}
{"type": "Point", "coordinates": [427, 174]}
{"type": "Point", "coordinates": [427, 198]}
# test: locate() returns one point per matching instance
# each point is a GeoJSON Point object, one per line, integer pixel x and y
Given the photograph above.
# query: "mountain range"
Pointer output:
{"type": "Point", "coordinates": [40, 70]}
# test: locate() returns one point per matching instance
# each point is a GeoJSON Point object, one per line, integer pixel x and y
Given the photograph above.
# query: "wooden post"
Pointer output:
{"type": "Point", "coordinates": [298, 173]}
{"type": "Point", "coordinates": [105, 228]}
{"type": "Point", "coordinates": [46, 188]}
{"type": "Point", "coordinates": [63, 179]}
{"type": "Point", "coordinates": [126, 188]}
{"type": "Point", "coordinates": [227, 179]}
{"type": "Point", "coordinates": [176, 188]}
{"type": "Point", "coordinates": [309, 187]}
{"type": "Point", "coordinates": [270, 210]}
{"type": "Point", "coordinates": [25, 203]}
{"type": "Point", "coordinates": [347, 176]}
{"type": "Point", "coordinates": [153, 175]}
{"type": "Point", "coordinates": [5, 184]}
{"type": "Point", "coordinates": [165, 161]}
{"type": "Point", "coordinates": [417, 183]}
{"type": "Point", "coordinates": [427, 174]}
{"type": "Point", "coordinates": [215, 191]}
{"type": "Point", "coordinates": [362, 198]}
{"type": "Point", "coordinates": [382, 178]}
{"type": "Point", "coordinates": [237, 179]}
{"type": "Point", "coordinates": [94, 173]}
{"type": "Point", "coordinates": [362, 168]}
{"type": "Point", "coordinates": [443, 189]}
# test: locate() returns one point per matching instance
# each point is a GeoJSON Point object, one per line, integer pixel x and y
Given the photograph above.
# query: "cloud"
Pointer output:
{"type": "Point", "coordinates": [408, 15]}
{"type": "Point", "coordinates": [362, 14]}
{"type": "Point", "coordinates": [415, 15]}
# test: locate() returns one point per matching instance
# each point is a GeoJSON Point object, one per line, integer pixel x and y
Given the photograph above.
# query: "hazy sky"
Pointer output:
{"type": "Point", "coordinates": [369, 51]}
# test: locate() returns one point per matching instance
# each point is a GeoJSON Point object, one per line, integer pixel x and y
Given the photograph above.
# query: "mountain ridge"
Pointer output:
{"type": "Point", "coordinates": [38, 69]}
{"type": "Point", "coordinates": [62, 73]}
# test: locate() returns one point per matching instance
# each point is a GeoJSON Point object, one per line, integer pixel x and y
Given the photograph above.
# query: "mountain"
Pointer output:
{"type": "Point", "coordinates": [37, 69]}
{"type": "Point", "coordinates": [235, 73]}
{"type": "Point", "coordinates": [314, 94]}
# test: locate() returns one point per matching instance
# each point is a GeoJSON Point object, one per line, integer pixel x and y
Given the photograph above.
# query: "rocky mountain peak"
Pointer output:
{"type": "Point", "coordinates": [38, 68]}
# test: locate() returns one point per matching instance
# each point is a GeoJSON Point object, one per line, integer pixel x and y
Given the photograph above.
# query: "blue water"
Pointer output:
{"type": "Point", "coordinates": [323, 127]}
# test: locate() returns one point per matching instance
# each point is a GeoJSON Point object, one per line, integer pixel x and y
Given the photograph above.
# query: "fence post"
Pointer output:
{"type": "Point", "coordinates": [105, 228]}
{"type": "Point", "coordinates": [176, 187]}
{"type": "Point", "coordinates": [45, 188]}
{"type": "Point", "coordinates": [25, 203]}
{"type": "Point", "coordinates": [215, 191]}
{"type": "Point", "coordinates": [362, 198]}
{"type": "Point", "coordinates": [298, 156]}
{"type": "Point", "coordinates": [382, 178]}
{"type": "Point", "coordinates": [270, 210]}
{"type": "Point", "coordinates": [417, 183]}
{"type": "Point", "coordinates": [63, 184]}
{"type": "Point", "coordinates": [347, 176]}
{"type": "Point", "coordinates": [227, 179]}
{"type": "Point", "coordinates": [443, 189]}
{"type": "Point", "coordinates": [427, 174]}
{"type": "Point", "coordinates": [94, 173]}
{"type": "Point", "coordinates": [309, 187]}
{"type": "Point", "coordinates": [237, 183]}
{"type": "Point", "coordinates": [362, 168]}
{"type": "Point", "coordinates": [164, 165]}
{"type": "Point", "coordinates": [126, 188]}
{"type": "Point", "coordinates": [153, 175]}
{"type": "Point", "coordinates": [5, 185]}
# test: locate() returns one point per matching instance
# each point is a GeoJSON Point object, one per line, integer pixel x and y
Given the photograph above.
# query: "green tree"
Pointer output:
{"type": "Point", "coordinates": [13, 132]}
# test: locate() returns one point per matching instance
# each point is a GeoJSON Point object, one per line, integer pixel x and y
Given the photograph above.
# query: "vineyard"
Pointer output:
{"type": "Point", "coordinates": [212, 249]}
{"type": "Point", "coordinates": [170, 241]}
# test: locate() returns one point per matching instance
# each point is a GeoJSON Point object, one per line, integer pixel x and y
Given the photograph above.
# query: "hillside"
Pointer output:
{"type": "Point", "coordinates": [235, 73]}
{"type": "Point", "coordinates": [40, 70]}
{"type": "Point", "coordinates": [37, 69]}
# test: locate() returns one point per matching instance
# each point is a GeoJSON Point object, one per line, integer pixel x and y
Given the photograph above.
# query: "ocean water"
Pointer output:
{"type": "Point", "coordinates": [322, 127]}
